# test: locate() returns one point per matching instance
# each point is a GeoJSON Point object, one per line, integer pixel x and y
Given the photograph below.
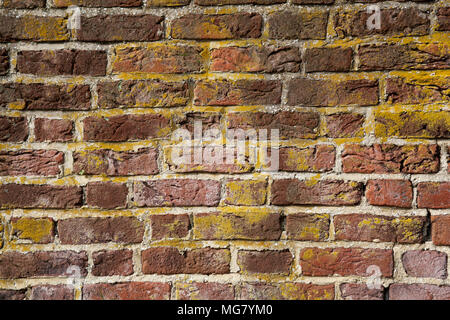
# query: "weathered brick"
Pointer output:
{"type": "Point", "coordinates": [53, 130]}
{"type": "Point", "coordinates": [159, 59]}
{"type": "Point", "coordinates": [52, 292]}
{"type": "Point", "coordinates": [424, 56]}
{"type": "Point", "coordinates": [344, 125]}
{"type": "Point", "coordinates": [413, 124]}
{"type": "Point", "coordinates": [245, 192]}
{"type": "Point", "coordinates": [291, 125]}
{"type": "Point", "coordinates": [112, 263]}
{"type": "Point", "coordinates": [400, 291]}
{"type": "Point", "coordinates": [440, 230]}
{"type": "Point", "coordinates": [217, 27]}
{"type": "Point", "coordinates": [100, 230]}
{"type": "Point", "coordinates": [23, 4]}
{"type": "Point", "coordinates": [166, 226]}
{"type": "Point", "coordinates": [286, 291]}
{"type": "Point", "coordinates": [115, 28]}
{"type": "Point", "coordinates": [268, 59]}
{"type": "Point", "coordinates": [13, 129]}
{"type": "Point", "coordinates": [237, 226]}
{"type": "Point", "coordinates": [116, 163]}
{"type": "Point", "coordinates": [10, 294]}
{"type": "Point", "coordinates": [4, 61]}
{"type": "Point", "coordinates": [434, 195]}
{"type": "Point", "coordinates": [395, 21]}
{"type": "Point", "coordinates": [236, 2]}
{"type": "Point", "coordinates": [443, 16]}
{"type": "Point", "coordinates": [167, 3]}
{"type": "Point", "coordinates": [240, 92]}
{"type": "Point", "coordinates": [176, 192]}
{"type": "Point", "coordinates": [40, 196]}
{"type": "Point", "coordinates": [127, 291]}
{"type": "Point", "coordinates": [359, 291]}
{"type": "Point", "coordinates": [376, 228]}
{"type": "Point", "coordinates": [39, 96]}
{"type": "Point", "coordinates": [168, 260]}
{"type": "Point", "coordinates": [36, 230]}
{"type": "Point", "coordinates": [204, 291]}
{"type": "Point", "coordinates": [325, 192]}
{"type": "Point", "coordinates": [427, 264]}
{"type": "Point", "coordinates": [345, 261]}
{"type": "Point", "coordinates": [97, 3]}
{"type": "Point", "coordinates": [33, 28]}
{"type": "Point", "coordinates": [106, 195]}
{"type": "Point", "coordinates": [126, 127]}
{"type": "Point", "coordinates": [142, 94]}
{"type": "Point", "coordinates": [390, 158]}
{"type": "Point", "coordinates": [307, 227]}
{"type": "Point", "coordinates": [62, 62]}
{"type": "Point", "coordinates": [311, 92]}
{"type": "Point", "coordinates": [15, 265]}
{"type": "Point", "coordinates": [328, 59]}
{"type": "Point", "coordinates": [404, 91]}
{"type": "Point", "coordinates": [319, 158]}
{"type": "Point", "coordinates": [267, 261]}
{"type": "Point", "coordinates": [26, 162]}
{"type": "Point", "coordinates": [286, 25]}
{"type": "Point", "coordinates": [312, 1]}
{"type": "Point", "coordinates": [393, 193]}
{"type": "Point", "coordinates": [208, 121]}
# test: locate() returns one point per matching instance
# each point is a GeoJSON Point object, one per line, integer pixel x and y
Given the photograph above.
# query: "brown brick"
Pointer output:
{"type": "Point", "coordinates": [393, 193]}
{"type": "Point", "coordinates": [443, 16]}
{"type": "Point", "coordinates": [40, 196]}
{"type": "Point", "coordinates": [106, 195]}
{"type": "Point", "coordinates": [311, 92]}
{"type": "Point", "coordinates": [125, 127]}
{"type": "Point", "coordinates": [267, 59]}
{"type": "Point", "coordinates": [404, 91]}
{"type": "Point", "coordinates": [325, 192]}
{"type": "Point", "coordinates": [376, 228]}
{"type": "Point", "coordinates": [36, 230]}
{"type": "Point", "coordinates": [142, 94]}
{"type": "Point", "coordinates": [115, 28]}
{"type": "Point", "coordinates": [13, 129]}
{"type": "Point", "coordinates": [307, 227]}
{"type": "Point", "coordinates": [398, 22]}
{"type": "Point", "coordinates": [15, 265]}
{"type": "Point", "coordinates": [4, 61]}
{"type": "Point", "coordinates": [204, 291]}
{"type": "Point", "coordinates": [400, 291]}
{"type": "Point", "coordinates": [236, 2]}
{"type": "Point", "coordinates": [31, 162]}
{"type": "Point", "coordinates": [127, 291]}
{"type": "Point", "coordinates": [312, 1]}
{"type": "Point", "coordinates": [100, 230]}
{"type": "Point", "coordinates": [245, 192]}
{"type": "Point", "coordinates": [167, 3]}
{"type": "Point", "coordinates": [237, 226]}
{"type": "Point", "coordinates": [33, 28]}
{"type": "Point", "coordinates": [440, 230]}
{"type": "Point", "coordinates": [390, 158]}
{"type": "Point", "coordinates": [425, 263]}
{"type": "Point", "coordinates": [167, 260]}
{"type": "Point", "coordinates": [217, 27]}
{"type": "Point", "coordinates": [286, 291]}
{"type": "Point", "coordinates": [52, 292]}
{"type": "Point", "coordinates": [284, 25]}
{"type": "Point", "coordinates": [359, 291]}
{"type": "Point", "coordinates": [53, 130]}
{"type": "Point", "coordinates": [39, 96]}
{"type": "Point", "coordinates": [112, 263]}
{"type": "Point", "coordinates": [434, 195]}
{"type": "Point", "coordinates": [328, 59]}
{"type": "Point", "coordinates": [344, 125]}
{"type": "Point", "coordinates": [62, 62]}
{"type": "Point", "coordinates": [267, 261]}
{"type": "Point", "coordinates": [176, 192]}
{"type": "Point", "coordinates": [319, 158]}
{"type": "Point", "coordinates": [345, 261]}
{"type": "Point", "coordinates": [97, 3]}
{"type": "Point", "coordinates": [291, 125]}
{"type": "Point", "coordinates": [159, 59]}
{"type": "Point", "coordinates": [7, 294]}
{"type": "Point", "coordinates": [169, 226]}
{"type": "Point", "coordinates": [116, 163]}
{"type": "Point", "coordinates": [240, 92]}
{"type": "Point", "coordinates": [24, 4]}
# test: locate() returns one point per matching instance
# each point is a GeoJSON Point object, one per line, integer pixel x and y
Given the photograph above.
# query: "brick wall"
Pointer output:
{"type": "Point", "coordinates": [93, 206]}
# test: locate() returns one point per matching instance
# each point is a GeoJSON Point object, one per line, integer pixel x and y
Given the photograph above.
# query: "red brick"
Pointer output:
{"type": "Point", "coordinates": [24, 4]}
{"type": "Point", "coordinates": [125, 127]}
{"type": "Point", "coordinates": [97, 3]}
{"type": "Point", "coordinates": [217, 27]}
{"type": "Point", "coordinates": [33, 28]}
{"type": "Point", "coordinates": [307, 226]}
{"type": "Point", "coordinates": [268, 261]}
{"type": "Point", "coordinates": [443, 17]}
{"type": "Point", "coordinates": [116, 163]}
{"type": "Point", "coordinates": [127, 291]}
{"type": "Point", "coordinates": [358, 291]}
{"type": "Point", "coordinates": [426, 264]}
{"type": "Point", "coordinates": [236, 2]}
{"type": "Point", "coordinates": [402, 90]}
{"type": "Point", "coordinates": [40, 196]}
{"type": "Point", "coordinates": [100, 230]}
{"type": "Point", "coordinates": [176, 192]}
{"type": "Point", "coordinates": [319, 158]}
{"type": "Point", "coordinates": [345, 261]}
{"type": "Point", "coordinates": [344, 125]}
{"type": "Point", "coordinates": [400, 291]}
{"type": "Point", "coordinates": [4, 61]}
{"type": "Point", "coordinates": [106, 195]}
{"type": "Point", "coordinates": [245, 192]}
{"type": "Point", "coordinates": [434, 195]}
{"type": "Point", "coordinates": [204, 291]}
{"type": "Point", "coordinates": [326, 192]}
{"type": "Point", "coordinates": [112, 263]}
{"type": "Point", "coordinates": [9, 294]}
{"type": "Point", "coordinates": [31, 162]}
{"type": "Point", "coordinates": [52, 292]}
{"type": "Point", "coordinates": [328, 59]}
{"type": "Point", "coordinates": [390, 158]}
{"type": "Point", "coordinates": [286, 291]}
{"type": "Point", "coordinates": [393, 193]}
{"type": "Point", "coordinates": [53, 130]}
{"type": "Point", "coordinates": [167, 260]}
{"type": "Point", "coordinates": [169, 226]}
{"type": "Point", "coordinates": [312, 1]}
{"type": "Point", "coordinates": [115, 28]}
{"type": "Point", "coordinates": [440, 230]}
{"type": "Point", "coordinates": [62, 62]}
{"type": "Point", "coordinates": [286, 25]}
{"type": "Point", "coordinates": [15, 265]}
